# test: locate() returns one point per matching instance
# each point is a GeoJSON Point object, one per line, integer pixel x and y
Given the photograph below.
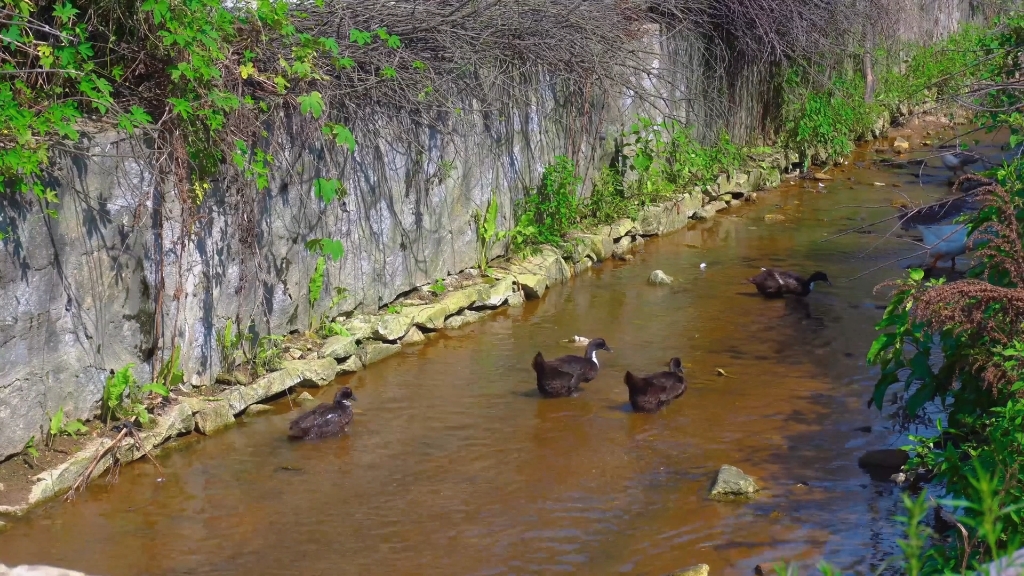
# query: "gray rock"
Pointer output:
{"type": "Point", "coordinates": [496, 294]}
{"type": "Point", "coordinates": [732, 483]}
{"type": "Point", "coordinates": [623, 247]}
{"type": "Point", "coordinates": [305, 397]}
{"type": "Point", "coordinates": [372, 351]}
{"type": "Point", "coordinates": [213, 417]}
{"type": "Point", "coordinates": [360, 327]}
{"type": "Point", "coordinates": [414, 336]}
{"type": "Point", "coordinates": [460, 320]}
{"type": "Point", "coordinates": [430, 316]}
{"type": "Point", "coordinates": [659, 278]}
{"type": "Point", "coordinates": [516, 300]}
{"type": "Point", "coordinates": [667, 217]}
{"type": "Point", "coordinates": [256, 409]}
{"type": "Point", "coordinates": [698, 570]}
{"type": "Point", "coordinates": [339, 347]}
{"type": "Point", "coordinates": [353, 364]}
{"type": "Point", "coordinates": [392, 327]}
{"type": "Point", "coordinates": [458, 300]}
{"type": "Point", "coordinates": [598, 245]}
{"type": "Point", "coordinates": [307, 373]}
{"type": "Point", "coordinates": [1011, 565]}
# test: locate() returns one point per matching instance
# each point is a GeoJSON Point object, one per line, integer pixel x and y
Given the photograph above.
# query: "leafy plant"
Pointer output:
{"type": "Point", "coordinates": [60, 426]}
{"type": "Point", "coordinates": [438, 287]}
{"type": "Point", "coordinates": [30, 448]}
{"type": "Point", "coordinates": [123, 396]}
{"type": "Point", "coordinates": [327, 327]}
{"type": "Point", "coordinates": [552, 211]}
{"type": "Point", "coordinates": [394, 309]}
{"type": "Point", "coordinates": [324, 248]}
{"type": "Point", "coordinates": [487, 232]}
{"type": "Point", "coordinates": [267, 355]}
{"type": "Point", "coordinates": [229, 343]}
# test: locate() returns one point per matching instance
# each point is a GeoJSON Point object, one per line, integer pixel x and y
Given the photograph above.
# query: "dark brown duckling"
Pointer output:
{"type": "Point", "coordinates": [773, 283]}
{"type": "Point", "coordinates": [562, 376]}
{"type": "Point", "coordinates": [655, 391]}
{"type": "Point", "coordinates": [324, 420]}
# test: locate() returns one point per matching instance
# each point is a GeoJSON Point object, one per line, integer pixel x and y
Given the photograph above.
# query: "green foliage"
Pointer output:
{"type": "Point", "coordinates": [326, 248]}
{"type": "Point", "coordinates": [394, 309]}
{"type": "Point", "coordinates": [60, 426]}
{"type": "Point", "coordinates": [30, 448]}
{"type": "Point", "coordinates": [123, 396]}
{"type": "Point", "coordinates": [171, 374]}
{"type": "Point", "coordinates": [438, 287]}
{"type": "Point", "coordinates": [551, 211]}
{"type": "Point", "coordinates": [487, 232]}
{"type": "Point", "coordinates": [266, 357]}
{"type": "Point", "coordinates": [825, 122]}
{"type": "Point", "coordinates": [229, 343]}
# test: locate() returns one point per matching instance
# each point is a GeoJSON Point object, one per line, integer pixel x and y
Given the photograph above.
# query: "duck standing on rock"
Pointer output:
{"type": "Point", "coordinates": [655, 391]}
{"type": "Point", "coordinates": [562, 376]}
{"type": "Point", "coordinates": [324, 420]}
{"type": "Point", "coordinates": [773, 283]}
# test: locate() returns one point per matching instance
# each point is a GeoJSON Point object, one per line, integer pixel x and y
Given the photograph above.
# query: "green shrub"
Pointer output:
{"type": "Point", "coordinates": [552, 210]}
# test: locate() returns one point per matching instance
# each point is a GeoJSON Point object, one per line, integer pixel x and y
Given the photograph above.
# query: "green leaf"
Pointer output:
{"type": "Point", "coordinates": [311, 103]}
{"type": "Point", "coordinates": [886, 380]}
{"type": "Point", "coordinates": [57, 422]}
{"type": "Point", "coordinates": [328, 189]}
{"type": "Point", "coordinates": [341, 134]}
{"type": "Point", "coordinates": [883, 342]}
{"type": "Point", "coordinates": [117, 384]}
{"type": "Point", "coordinates": [316, 282]}
{"type": "Point", "coordinates": [917, 274]}
{"type": "Point", "coordinates": [359, 37]}
{"type": "Point", "coordinates": [155, 388]}
{"type": "Point", "coordinates": [924, 393]}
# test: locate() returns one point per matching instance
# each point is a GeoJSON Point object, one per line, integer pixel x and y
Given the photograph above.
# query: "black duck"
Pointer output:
{"type": "Point", "coordinates": [562, 376]}
{"type": "Point", "coordinates": [324, 420]}
{"type": "Point", "coordinates": [655, 391]}
{"type": "Point", "coordinates": [776, 283]}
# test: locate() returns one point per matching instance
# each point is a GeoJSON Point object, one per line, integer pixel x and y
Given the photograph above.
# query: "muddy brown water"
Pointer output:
{"type": "Point", "coordinates": [454, 465]}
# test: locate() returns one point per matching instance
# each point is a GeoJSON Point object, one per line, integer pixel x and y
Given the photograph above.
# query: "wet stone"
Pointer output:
{"type": "Point", "coordinates": [732, 483]}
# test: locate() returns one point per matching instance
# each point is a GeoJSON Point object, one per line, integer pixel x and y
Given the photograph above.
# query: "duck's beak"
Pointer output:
{"type": "Point", "coordinates": [352, 398]}
{"type": "Point", "coordinates": [827, 282]}
{"type": "Point", "coordinates": [607, 349]}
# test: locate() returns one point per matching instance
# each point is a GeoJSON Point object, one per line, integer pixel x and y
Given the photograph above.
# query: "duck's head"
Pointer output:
{"type": "Point", "coordinates": [597, 344]}
{"type": "Point", "coordinates": [676, 365]}
{"type": "Point", "coordinates": [344, 397]}
{"type": "Point", "coordinates": [819, 276]}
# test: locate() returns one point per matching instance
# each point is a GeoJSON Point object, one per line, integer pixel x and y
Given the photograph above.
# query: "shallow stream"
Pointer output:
{"type": "Point", "coordinates": [454, 465]}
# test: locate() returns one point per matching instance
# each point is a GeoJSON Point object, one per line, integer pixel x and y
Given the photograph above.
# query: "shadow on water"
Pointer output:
{"type": "Point", "coordinates": [455, 465]}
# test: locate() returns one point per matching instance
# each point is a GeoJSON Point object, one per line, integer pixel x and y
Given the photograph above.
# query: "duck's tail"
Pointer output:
{"type": "Point", "coordinates": [631, 381]}
{"type": "Point", "coordinates": [538, 363]}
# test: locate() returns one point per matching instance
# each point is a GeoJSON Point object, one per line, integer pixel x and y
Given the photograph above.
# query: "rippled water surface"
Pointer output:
{"type": "Point", "coordinates": [455, 466]}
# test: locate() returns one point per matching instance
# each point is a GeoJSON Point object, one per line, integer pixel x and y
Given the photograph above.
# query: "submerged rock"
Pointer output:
{"type": "Point", "coordinates": [732, 483]}
{"type": "Point", "coordinates": [900, 146]}
{"type": "Point", "coordinates": [257, 409]}
{"type": "Point", "coordinates": [659, 278]}
{"type": "Point", "coordinates": [305, 397]}
{"type": "Point", "coordinates": [413, 336]}
{"type": "Point", "coordinates": [883, 462]}
{"type": "Point", "coordinates": [516, 300]}
{"type": "Point", "coordinates": [698, 570]}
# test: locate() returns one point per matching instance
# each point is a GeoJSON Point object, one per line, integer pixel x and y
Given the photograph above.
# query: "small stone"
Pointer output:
{"type": "Point", "coordinates": [413, 336]}
{"type": "Point", "coordinates": [305, 397]}
{"type": "Point", "coordinates": [733, 483]}
{"type": "Point", "coordinates": [659, 278]}
{"type": "Point", "coordinates": [900, 146]}
{"type": "Point", "coordinates": [516, 300]}
{"type": "Point", "coordinates": [259, 409]}
{"type": "Point", "coordinates": [822, 176]}
{"type": "Point", "coordinates": [774, 217]}
{"type": "Point", "coordinates": [698, 570]}
{"type": "Point", "coordinates": [353, 364]}
{"type": "Point", "coordinates": [628, 258]}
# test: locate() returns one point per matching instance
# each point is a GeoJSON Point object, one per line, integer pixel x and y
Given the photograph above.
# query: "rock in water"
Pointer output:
{"type": "Point", "coordinates": [900, 146]}
{"type": "Point", "coordinates": [659, 278]}
{"type": "Point", "coordinates": [732, 483]}
{"type": "Point", "coordinates": [304, 397]}
{"type": "Point", "coordinates": [886, 462]}
{"type": "Point", "coordinates": [698, 570]}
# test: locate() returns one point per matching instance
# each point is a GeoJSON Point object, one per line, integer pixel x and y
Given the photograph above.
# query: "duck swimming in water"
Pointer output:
{"type": "Point", "coordinates": [958, 161]}
{"type": "Point", "coordinates": [324, 420]}
{"type": "Point", "coordinates": [562, 376]}
{"type": "Point", "coordinates": [773, 283]}
{"type": "Point", "coordinates": [655, 391]}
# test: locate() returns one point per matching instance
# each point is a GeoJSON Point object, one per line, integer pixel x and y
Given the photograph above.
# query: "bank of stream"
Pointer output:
{"type": "Point", "coordinates": [454, 465]}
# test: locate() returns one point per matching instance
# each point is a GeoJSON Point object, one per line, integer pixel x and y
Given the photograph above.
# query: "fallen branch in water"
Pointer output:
{"type": "Point", "coordinates": [127, 430]}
